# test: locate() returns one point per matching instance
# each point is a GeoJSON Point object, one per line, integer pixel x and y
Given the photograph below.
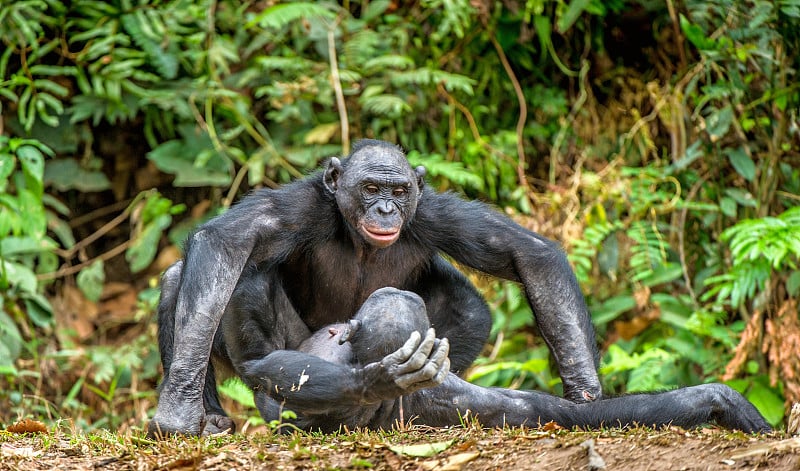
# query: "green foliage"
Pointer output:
{"type": "Point", "coordinates": [676, 185]}
{"type": "Point", "coordinates": [24, 245]}
{"type": "Point", "coordinates": [760, 249]}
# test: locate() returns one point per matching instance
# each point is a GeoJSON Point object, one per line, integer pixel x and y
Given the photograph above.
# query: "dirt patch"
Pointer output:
{"type": "Point", "coordinates": [416, 449]}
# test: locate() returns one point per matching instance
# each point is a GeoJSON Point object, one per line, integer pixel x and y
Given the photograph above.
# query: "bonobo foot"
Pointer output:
{"type": "Point", "coordinates": [213, 424]}
{"type": "Point", "coordinates": [216, 423]}
{"type": "Point", "coordinates": [175, 417]}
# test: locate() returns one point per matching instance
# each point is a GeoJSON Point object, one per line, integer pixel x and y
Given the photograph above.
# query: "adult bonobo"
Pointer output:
{"type": "Point", "coordinates": [284, 263]}
{"type": "Point", "coordinates": [382, 326]}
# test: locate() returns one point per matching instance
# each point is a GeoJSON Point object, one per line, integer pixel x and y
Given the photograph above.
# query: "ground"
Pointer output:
{"type": "Point", "coordinates": [419, 448]}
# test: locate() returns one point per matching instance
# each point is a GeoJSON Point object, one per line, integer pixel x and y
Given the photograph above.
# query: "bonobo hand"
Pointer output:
{"type": "Point", "coordinates": [420, 363]}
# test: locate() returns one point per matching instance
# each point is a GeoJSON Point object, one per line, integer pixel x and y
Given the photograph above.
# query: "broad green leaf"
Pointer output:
{"type": "Point", "coordinates": [68, 174]}
{"type": "Point", "coordinates": [743, 197]}
{"type": "Point", "coordinates": [6, 166]}
{"type": "Point", "coordinates": [10, 246]}
{"type": "Point", "coordinates": [178, 157]}
{"type": "Point", "coordinates": [697, 36]}
{"type": "Point", "coordinates": [742, 163]}
{"type": "Point", "coordinates": [10, 340]}
{"type": "Point", "coordinates": [612, 308]}
{"type": "Point", "coordinates": [767, 402]}
{"type": "Point", "coordinates": [32, 162]}
{"type": "Point", "coordinates": [20, 276]}
{"type": "Point", "coordinates": [793, 284]}
{"type": "Point", "coordinates": [664, 274]}
{"type": "Point", "coordinates": [91, 279]}
{"type": "Point", "coordinates": [39, 310]}
{"type": "Point", "coordinates": [143, 249]}
{"type": "Point", "coordinates": [728, 206]}
{"type": "Point", "coordinates": [719, 122]}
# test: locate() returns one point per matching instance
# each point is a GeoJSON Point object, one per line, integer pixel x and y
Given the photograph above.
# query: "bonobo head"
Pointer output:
{"type": "Point", "coordinates": [385, 322]}
{"type": "Point", "coordinates": [376, 190]}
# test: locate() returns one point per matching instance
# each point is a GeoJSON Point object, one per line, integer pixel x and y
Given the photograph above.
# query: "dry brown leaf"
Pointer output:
{"type": "Point", "coordinates": [27, 426]}
{"type": "Point", "coordinates": [551, 427]}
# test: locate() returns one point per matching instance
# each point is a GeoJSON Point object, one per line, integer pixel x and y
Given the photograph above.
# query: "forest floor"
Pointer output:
{"type": "Point", "coordinates": [419, 448]}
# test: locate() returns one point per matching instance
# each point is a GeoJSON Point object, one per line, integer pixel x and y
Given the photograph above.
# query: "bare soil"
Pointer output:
{"type": "Point", "coordinates": [419, 448]}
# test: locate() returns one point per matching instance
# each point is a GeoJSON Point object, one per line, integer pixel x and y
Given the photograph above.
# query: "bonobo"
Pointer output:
{"type": "Point", "coordinates": [390, 316]}
{"type": "Point", "coordinates": [389, 322]}
{"type": "Point", "coordinates": [257, 280]}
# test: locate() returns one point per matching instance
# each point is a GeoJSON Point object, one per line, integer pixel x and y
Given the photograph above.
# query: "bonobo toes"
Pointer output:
{"type": "Point", "coordinates": [216, 423]}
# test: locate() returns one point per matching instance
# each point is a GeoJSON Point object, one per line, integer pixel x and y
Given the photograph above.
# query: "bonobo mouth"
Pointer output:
{"type": "Point", "coordinates": [380, 237]}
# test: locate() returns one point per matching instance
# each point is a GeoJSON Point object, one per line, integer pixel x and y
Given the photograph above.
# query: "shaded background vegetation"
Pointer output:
{"type": "Point", "coordinates": [657, 141]}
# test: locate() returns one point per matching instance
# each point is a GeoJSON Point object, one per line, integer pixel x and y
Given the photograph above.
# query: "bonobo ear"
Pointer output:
{"type": "Point", "coordinates": [332, 174]}
{"type": "Point", "coordinates": [420, 171]}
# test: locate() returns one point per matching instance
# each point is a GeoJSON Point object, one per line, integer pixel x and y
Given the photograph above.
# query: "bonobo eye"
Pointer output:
{"type": "Point", "coordinates": [400, 192]}
{"type": "Point", "coordinates": [371, 189]}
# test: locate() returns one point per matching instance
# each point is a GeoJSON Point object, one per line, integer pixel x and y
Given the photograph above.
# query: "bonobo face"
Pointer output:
{"type": "Point", "coordinates": [376, 190]}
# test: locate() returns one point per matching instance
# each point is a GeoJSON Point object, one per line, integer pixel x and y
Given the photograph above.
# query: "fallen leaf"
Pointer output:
{"type": "Point", "coordinates": [22, 451]}
{"type": "Point", "coordinates": [551, 427]}
{"type": "Point", "coordinates": [27, 426]}
{"type": "Point", "coordinates": [421, 449]}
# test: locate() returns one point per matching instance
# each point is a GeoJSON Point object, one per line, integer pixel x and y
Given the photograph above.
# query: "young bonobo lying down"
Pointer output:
{"type": "Point", "coordinates": [392, 327]}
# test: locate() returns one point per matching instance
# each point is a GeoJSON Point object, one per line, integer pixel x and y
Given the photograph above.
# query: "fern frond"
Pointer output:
{"type": "Point", "coordinates": [282, 15]}
{"type": "Point", "coordinates": [140, 27]}
{"type": "Point", "coordinates": [391, 61]}
{"type": "Point", "coordinates": [427, 76]}
{"type": "Point", "coordinates": [436, 165]}
{"type": "Point", "coordinates": [391, 106]}
{"type": "Point", "coordinates": [361, 47]}
{"type": "Point", "coordinates": [284, 64]}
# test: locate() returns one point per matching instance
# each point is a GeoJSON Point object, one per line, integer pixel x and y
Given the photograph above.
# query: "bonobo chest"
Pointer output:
{"type": "Point", "coordinates": [329, 283]}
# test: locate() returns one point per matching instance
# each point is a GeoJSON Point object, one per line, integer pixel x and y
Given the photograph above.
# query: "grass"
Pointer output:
{"type": "Point", "coordinates": [63, 446]}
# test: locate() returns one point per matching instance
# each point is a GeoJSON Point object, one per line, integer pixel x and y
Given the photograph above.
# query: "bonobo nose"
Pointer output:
{"type": "Point", "coordinates": [386, 208]}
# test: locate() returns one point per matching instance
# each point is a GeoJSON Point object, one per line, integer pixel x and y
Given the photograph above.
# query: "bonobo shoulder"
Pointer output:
{"type": "Point", "coordinates": [284, 210]}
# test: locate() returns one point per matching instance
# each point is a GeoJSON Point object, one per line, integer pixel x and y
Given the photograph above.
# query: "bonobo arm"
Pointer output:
{"type": "Point", "coordinates": [215, 257]}
{"type": "Point", "coordinates": [308, 384]}
{"type": "Point", "coordinates": [480, 237]}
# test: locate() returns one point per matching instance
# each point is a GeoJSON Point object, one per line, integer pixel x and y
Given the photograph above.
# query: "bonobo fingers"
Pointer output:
{"type": "Point", "coordinates": [402, 354]}
{"type": "Point", "coordinates": [432, 373]}
{"type": "Point", "coordinates": [420, 356]}
{"type": "Point", "coordinates": [422, 362]}
{"type": "Point", "coordinates": [427, 366]}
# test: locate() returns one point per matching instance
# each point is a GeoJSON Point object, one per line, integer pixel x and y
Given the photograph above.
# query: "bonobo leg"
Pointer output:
{"type": "Point", "coordinates": [685, 407]}
{"type": "Point", "coordinates": [216, 420]}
